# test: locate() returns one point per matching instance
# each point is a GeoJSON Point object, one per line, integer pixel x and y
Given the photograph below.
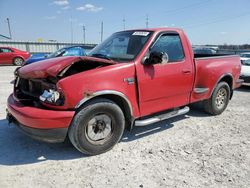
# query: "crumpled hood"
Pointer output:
{"type": "Point", "coordinates": [51, 67]}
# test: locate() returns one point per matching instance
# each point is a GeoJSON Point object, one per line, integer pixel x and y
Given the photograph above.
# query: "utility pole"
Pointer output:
{"type": "Point", "coordinates": [101, 31]}
{"type": "Point", "coordinates": [147, 20]}
{"type": "Point", "coordinates": [124, 21]}
{"type": "Point", "coordinates": [71, 29]}
{"type": "Point", "coordinates": [84, 31]}
{"type": "Point", "coordinates": [8, 22]}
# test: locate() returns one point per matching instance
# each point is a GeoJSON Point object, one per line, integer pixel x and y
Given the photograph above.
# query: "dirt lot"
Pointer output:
{"type": "Point", "coordinates": [195, 150]}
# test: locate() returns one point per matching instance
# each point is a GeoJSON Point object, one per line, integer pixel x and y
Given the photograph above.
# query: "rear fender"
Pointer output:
{"type": "Point", "coordinates": [228, 78]}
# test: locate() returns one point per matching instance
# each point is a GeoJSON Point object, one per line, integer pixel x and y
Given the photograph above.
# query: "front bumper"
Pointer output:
{"type": "Point", "coordinates": [41, 124]}
{"type": "Point", "coordinates": [245, 78]}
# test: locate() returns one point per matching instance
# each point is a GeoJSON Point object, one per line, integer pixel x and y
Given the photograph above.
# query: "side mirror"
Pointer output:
{"type": "Point", "coordinates": [155, 58]}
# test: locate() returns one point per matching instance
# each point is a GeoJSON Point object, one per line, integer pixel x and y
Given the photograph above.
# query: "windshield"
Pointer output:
{"type": "Point", "coordinates": [121, 46]}
{"type": "Point", "coordinates": [57, 53]}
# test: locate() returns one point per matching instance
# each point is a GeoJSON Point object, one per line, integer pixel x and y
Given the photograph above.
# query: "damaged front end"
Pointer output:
{"type": "Point", "coordinates": [38, 105]}
{"type": "Point", "coordinates": [35, 91]}
{"type": "Point", "coordinates": [36, 84]}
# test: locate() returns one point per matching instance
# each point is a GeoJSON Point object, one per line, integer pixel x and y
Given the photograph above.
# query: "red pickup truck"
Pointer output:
{"type": "Point", "coordinates": [134, 78]}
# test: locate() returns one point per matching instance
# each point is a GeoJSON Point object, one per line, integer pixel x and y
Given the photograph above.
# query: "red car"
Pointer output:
{"type": "Point", "coordinates": [12, 56]}
{"type": "Point", "coordinates": [134, 78]}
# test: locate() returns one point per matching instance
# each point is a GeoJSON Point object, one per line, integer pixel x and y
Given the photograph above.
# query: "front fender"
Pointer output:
{"type": "Point", "coordinates": [109, 80]}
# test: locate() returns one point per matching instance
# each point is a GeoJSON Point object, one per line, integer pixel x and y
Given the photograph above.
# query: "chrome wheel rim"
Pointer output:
{"type": "Point", "coordinates": [18, 61]}
{"type": "Point", "coordinates": [99, 128]}
{"type": "Point", "coordinates": [221, 98]}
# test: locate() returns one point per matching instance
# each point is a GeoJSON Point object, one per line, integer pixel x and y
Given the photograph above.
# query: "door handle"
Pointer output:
{"type": "Point", "coordinates": [186, 71]}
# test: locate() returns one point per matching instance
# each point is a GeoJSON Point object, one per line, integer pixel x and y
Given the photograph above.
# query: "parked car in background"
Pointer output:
{"type": "Point", "coordinates": [66, 51]}
{"type": "Point", "coordinates": [245, 56]}
{"type": "Point", "coordinates": [13, 56]}
{"type": "Point", "coordinates": [207, 51]}
{"type": "Point", "coordinates": [245, 70]}
{"type": "Point", "coordinates": [36, 57]}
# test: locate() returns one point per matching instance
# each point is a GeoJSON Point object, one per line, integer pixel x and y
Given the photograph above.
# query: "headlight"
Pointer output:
{"type": "Point", "coordinates": [51, 96]}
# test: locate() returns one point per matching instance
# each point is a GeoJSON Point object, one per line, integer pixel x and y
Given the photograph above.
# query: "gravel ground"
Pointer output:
{"type": "Point", "coordinates": [195, 150]}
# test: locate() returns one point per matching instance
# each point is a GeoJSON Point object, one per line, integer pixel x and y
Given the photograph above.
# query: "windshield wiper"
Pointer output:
{"type": "Point", "coordinates": [103, 56]}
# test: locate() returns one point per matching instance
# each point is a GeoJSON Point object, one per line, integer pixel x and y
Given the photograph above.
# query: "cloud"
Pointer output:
{"type": "Point", "coordinates": [58, 12]}
{"type": "Point", "coordinates": [61, 2]}
{"type": "Point", "coordinates": [50, 17]}
{"type": "Point", "coordinates": [89, 8]}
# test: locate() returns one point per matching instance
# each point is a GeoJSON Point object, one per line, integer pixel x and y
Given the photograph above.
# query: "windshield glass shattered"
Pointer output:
{"type": "Point", "coordinates": [121, 46]}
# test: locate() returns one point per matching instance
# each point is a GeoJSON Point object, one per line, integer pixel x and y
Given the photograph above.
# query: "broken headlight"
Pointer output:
{"type": "Point", "coordinates": [51, 96]}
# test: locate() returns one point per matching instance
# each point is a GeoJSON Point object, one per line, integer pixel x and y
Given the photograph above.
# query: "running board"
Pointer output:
{"type": "Point", "coordinates": [155, 119]}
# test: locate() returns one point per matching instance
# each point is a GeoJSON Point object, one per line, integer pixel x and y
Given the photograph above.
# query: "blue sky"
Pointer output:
{"type": "Point", "coordinates": [205, 22]}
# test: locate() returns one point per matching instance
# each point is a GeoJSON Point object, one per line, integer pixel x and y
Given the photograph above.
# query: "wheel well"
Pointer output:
{"type": "Point", "coordinates": [121, 102]}
{"type": "Point", "coordinates": [18, 57]}
{"type": "Point", "coordinates": [229, 80]}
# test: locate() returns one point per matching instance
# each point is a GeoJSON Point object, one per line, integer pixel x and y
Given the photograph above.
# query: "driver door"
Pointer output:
{"type": "Point", "coordinates": [168, 85]}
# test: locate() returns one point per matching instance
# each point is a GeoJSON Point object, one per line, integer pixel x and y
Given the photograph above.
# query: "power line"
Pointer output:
{"type": "Point", "coordinates": [5, 37]}
{"type": "Point", "coordinates": [199, 4]}
{"type": "Point", "coordinates": [217, 20]}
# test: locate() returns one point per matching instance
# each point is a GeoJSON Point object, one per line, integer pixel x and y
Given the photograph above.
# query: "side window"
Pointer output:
{"type": "Point", "coordinates": [170, 44]}
{"type": "Point", "coordinates": [6, 50]}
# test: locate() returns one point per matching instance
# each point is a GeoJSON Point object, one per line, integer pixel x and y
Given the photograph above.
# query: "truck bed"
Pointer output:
{"type": "Point", "coordinates": [209, 68]}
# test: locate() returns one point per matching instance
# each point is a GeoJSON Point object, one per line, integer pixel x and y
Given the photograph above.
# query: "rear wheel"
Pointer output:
{"type": "Point", "coordinates": [18, 61]}
{"type": "Point", "coordinates": [97, 127]}
{"type": "Point", "coordinates": [219, 99]}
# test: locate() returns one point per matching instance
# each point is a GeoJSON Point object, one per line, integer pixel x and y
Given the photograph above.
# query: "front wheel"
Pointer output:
{"type": "Point", "coordinates": [219, 99]}
{"type": "Point", "coordinates": [18, 61]}
{"type": "Point", "coordinates": [97, 127]}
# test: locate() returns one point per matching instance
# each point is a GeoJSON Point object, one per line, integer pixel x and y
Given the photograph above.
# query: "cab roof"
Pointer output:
{"type": "Point", "coordinates": [160, 29]}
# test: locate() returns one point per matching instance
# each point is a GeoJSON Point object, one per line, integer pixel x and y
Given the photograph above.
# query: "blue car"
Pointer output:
{"type": "Point", "coordinates": [67, 51]}
{"type": "Point", "coordinates": [36, 57]}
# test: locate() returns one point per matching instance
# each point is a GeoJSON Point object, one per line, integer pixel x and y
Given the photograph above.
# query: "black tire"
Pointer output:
{"type": "Point", "coordinates": [86, 124]}
{"type": "Point", "coordinates": [218, 102]}
{"type": "Point", "coordinates": [18, 61]}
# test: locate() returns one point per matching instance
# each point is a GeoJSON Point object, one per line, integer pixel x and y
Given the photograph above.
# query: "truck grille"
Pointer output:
{"type": "Point", "coordinates": [31, 88]}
